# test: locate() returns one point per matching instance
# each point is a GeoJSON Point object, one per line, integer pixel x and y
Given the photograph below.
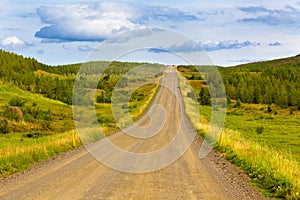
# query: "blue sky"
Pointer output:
{"type": "Point", "coordinates": [230, 32]}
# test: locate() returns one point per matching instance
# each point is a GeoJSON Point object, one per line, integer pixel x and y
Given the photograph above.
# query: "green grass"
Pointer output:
{"type": "Point", "coordinates": [28, 141]}
{"type": "Point", "coordinates": [270, 157]}
{"type": "Point", "coordinates": [61, 114]}
{"type": "Point", "coordinates": [19, 153]}
{"type": "Point", "coordinates": [280, 132]}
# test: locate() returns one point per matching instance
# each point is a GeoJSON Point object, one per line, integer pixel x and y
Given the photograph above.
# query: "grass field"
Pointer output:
{"type": "Point", "coordinates": [19, 153]}
{"type": "Point", "coordinates": [29, 140]}
{"type": "Point", "coordinates": [262, 141]}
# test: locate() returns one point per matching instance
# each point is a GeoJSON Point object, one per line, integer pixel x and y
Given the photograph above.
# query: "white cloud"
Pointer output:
{"type": "Point", "coordinates": [12, 43]}
{"type": "Point", "coordinates": [126, 36]}
{"type": "Point", "coordinates": [288, 16]}
{"type": "Point", "coordinates": [98, 21]}
{"type": "Point", "coordinates": [188, 47]}
{"type": "Point", "coordinates": [85, 48]}
{"type": "Point", "coordinates": [275, 44]}
{"type": "Point", "coordinates": [81, 22]}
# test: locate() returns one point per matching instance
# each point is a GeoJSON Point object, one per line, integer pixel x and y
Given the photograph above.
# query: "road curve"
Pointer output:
{"type": "Point", "coordinates": [78, 175]}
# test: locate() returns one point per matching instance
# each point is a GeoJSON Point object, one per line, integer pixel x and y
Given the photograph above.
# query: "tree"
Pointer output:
{"type": "Point", "coordinates": [238, 104]}
{"type": "Point", "coordinates": [4, 126]}
{"type": "Point", "coordinates": [204, 97]}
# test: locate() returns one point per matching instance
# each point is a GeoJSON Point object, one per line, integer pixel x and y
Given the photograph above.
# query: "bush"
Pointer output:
{"type": "Point", "coordinates": [269, 109]}
{"type": "Point", "coordinates": [32, 134]}
{"type": "Point", "coordinates": [292, 111]}
{"type": "Point", "coordinates": [16, 101]}
{"type": "Point", "coordinates": [4, 126]}
{"type": "Point", "coordinates": [191, 95]}
{"type": "Point", "coordinates": [125, 106]}
{"type": "Point", "coordinates": [259, 129]}
{"type": "Point", "coordinates": [238, 104]}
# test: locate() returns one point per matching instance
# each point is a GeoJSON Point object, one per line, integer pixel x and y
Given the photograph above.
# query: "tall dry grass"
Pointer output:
{"type": "Point", "coordinates": [275, 172]}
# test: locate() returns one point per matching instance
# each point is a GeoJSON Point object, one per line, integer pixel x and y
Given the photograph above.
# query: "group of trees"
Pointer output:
{"type": "Point", "coordinates": [20, 71]}
{"type": "Point", "coordinates": [57, 82]}
{"type": "Point", "coordinates": [19, 109]}
{"type": "Point", "coordinates": [263, 82]}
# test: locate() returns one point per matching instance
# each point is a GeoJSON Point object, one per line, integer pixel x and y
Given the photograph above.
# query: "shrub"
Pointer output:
{"type": "Point", "coordinates": [16, 101]}
{"type": "Point", "coordinates": [16, 111]}
{"type": "Point", "coordinates": [292, 111]}
{"type": "Point", "coordinates": [4, 126]}
{"type": "Point", "coordinates": [125, 106]}
{"type": "Point", "coordinates": [238, 104]}
{"type": "Point", "coordinates": [32, 134]}
{"type": "Point", "coordinates": [269, 109]}
{"type": "Point", "coordinates": [191, 95]}
{"type": "Point", "coordinates": [259, 129]}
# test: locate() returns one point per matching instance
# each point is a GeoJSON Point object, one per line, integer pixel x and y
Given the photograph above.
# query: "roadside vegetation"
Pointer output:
{"type": "Point", "coordinates": [36, 119]}
{"type": "Point", "coordinates": [260, 137]}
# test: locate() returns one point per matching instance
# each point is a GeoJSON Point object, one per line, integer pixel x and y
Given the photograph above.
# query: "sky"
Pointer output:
{"type": "Point", "coordinates": [227, 32]}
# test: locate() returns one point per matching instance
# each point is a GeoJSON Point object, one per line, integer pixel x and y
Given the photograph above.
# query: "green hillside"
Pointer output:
{"type": "Point", "coordinates": [269, 82]}
{"type": "Point", "coordinates": [261, 129]}
{"type": "Point", "coordinates": [36, 119]}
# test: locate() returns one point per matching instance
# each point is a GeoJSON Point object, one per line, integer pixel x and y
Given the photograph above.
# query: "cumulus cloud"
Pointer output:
{"type": "Point", "coordinates": [126, 36]}
{"type": "Point", "coordinates": [98, 21]}
{"type": "Point", "coordinates": [275, 44]}
{"type": "Point", "coordinates": [188, 47]}
{"type": "Point", "coordinates": [246, 60]}
{"type": "Point", "coordinates": [289, 16]}
{"type": "Point", "coordinates": [157, 50]}
{"type": "Point", "coordinates": [13, 43]}
{"type": "Point", "coordinates": [85, 48]}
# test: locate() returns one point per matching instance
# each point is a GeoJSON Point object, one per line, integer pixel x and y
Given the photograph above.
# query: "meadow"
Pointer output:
{"type": "Point", "coordinates": [262, 140]}
{"type": "Point", "coordinates": [35, 128]}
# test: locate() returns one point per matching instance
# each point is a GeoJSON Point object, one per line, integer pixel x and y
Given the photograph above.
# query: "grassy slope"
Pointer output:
{"type": "Point", "coordinates": [18, 151]}
{"type": "Point", "coordinates": [271, 158]}
{"type": "Point", "coordinates": [280, 132]}
{"type": "Point", "coordinates": [61, 113]}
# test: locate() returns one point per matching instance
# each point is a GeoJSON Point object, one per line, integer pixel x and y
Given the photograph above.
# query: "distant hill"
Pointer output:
{"type": "Point", "coordinates": [275, 81]}
{"type": "Point", "coordinates": [21, 72]}
{"type": "Point", "coordinates": [56, 82]}
{"type": "Point", "coordinates": [35, 96]}
{"type": "Point", "coordinates": [263, 65]}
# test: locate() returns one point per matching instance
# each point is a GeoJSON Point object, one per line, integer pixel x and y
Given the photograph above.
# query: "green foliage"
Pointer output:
{"type": "Point", "coordinates": [125, 106]}
{"type": "Point", "coordinates": [238, 104]}
{"type": "Point", "coordinates": [292, 111]}
{"type": "Point", "coordinates": [261, 82]}
{"type": "Point", "coordinates": [4, 126]}
{"type": "Point", "coordinates": [259, 129]}
{"type": "Point", "coordinates": [204, 97]}
{"type": "Point", "coordinates": [57, 82]}
{"type": "Point", "coordinates": [277, 187]}
{"type": "Point", "coordinates": [16, 101]}
{"type": "Point", "coordinates": [191, 95]}
{"type": "Point", "coordinates": [20, 150]}
{"type": "Point", "coordinates": [33, 134]}
{"type": "Point", "coordinates": [103, 98]}
{"type": "Point", "coordinates": [36, 114]}
{"type": "Point", "coordinates": [269, 109]}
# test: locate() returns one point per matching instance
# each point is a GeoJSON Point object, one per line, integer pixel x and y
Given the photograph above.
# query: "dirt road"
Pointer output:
{"type": "Point", "coordinates": [78, 175]}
